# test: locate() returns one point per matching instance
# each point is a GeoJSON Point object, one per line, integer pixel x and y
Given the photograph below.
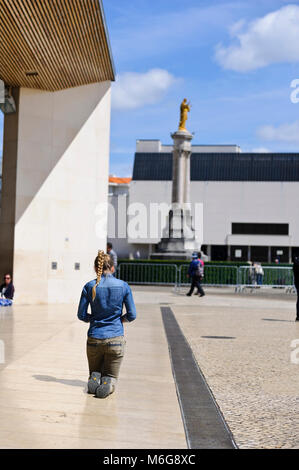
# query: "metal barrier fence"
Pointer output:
{"type": "Point", "coordinates": [273, 277]}
{"type": "Point", "coordinates": [148, 273]}
{"type": "Point", "coordinates": [241, 278]}
{"type": "Point", "coordinates": [213, 275]}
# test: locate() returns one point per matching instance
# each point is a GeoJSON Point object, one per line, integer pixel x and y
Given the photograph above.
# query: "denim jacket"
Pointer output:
{"type": "Point", "coordinates": [106, 309]}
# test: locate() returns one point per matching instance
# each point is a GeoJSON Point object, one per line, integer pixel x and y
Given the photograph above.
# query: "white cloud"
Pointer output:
{"type": "Point", "coordinates": [284, 133]}
{"type": "Point", "coordinates": [133, 90]}
{"type": "Point", "coordinates": [267, 40]}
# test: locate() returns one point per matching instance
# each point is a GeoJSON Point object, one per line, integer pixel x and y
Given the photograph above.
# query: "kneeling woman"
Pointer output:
{"type": "Point", "coordinates": [105, 342]}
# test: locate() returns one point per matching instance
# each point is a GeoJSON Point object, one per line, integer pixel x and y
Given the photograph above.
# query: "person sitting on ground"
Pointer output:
{"type": "Point", "coordinates": [105, 338]}
{"type": "Point", "coordinates": [7, 288]}
{"type": "Point", "coordinates": [196, 274]}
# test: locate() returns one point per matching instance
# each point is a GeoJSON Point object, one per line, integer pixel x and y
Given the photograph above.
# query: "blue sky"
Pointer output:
{"type": "Point", "coordinates": [240, 95]}
{"type": "Point", "coordinates": [235, 61]}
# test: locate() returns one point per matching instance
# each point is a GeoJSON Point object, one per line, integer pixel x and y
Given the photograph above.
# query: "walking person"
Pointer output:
{"type": "Point", "coordinates": [196, 273]}
{"type": "Point", "coordinates": [105, 338]}
{"type": "Point", "coordinates": [296, 282]}
{"type": "Point", "coordinates": [259, 274]}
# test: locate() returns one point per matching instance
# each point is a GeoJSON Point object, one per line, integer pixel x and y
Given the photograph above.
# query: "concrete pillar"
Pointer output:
{"type": "Point", "coordinates": [181, 167]}
{"type": "Point", "coordinates": [8, 192]}
{"type": "Point", "coordinates": [55, 187]}
{"type": "Point", "coordinates": [187, 177]}
{"type": "Point", "coordinates": [269, 254]}
{"type": "Point", "coordinates": [179, 240]}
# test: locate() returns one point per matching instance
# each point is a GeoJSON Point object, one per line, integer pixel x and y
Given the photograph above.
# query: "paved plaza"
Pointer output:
{"type": "Point", "coordinates": [242, 344]}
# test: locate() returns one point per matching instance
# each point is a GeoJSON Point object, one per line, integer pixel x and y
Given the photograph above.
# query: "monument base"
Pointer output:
{"type": "Point", "coordinates": [170, 256]}
{"type": "Point", "coordinates": [179, 242]}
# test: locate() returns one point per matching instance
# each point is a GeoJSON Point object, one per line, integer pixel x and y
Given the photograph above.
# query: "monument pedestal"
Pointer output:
{"type": "Point", "coordinates": [178, 240]}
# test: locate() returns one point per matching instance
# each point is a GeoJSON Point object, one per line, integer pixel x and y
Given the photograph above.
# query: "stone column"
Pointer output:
{"type": "Point", "coordinates": [181, 167]}
{"type": "Point", "coordinates": [187, 178]}
{"type": "Point", "coordinates": [179, 240]}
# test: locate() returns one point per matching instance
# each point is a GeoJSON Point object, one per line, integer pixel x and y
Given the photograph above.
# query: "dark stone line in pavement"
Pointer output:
{"type": "Point", "coordinates": [204, 424]}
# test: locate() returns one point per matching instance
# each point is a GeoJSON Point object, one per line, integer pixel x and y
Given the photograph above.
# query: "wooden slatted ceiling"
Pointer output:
{"type": "Point", "coordinates": [53, 44]}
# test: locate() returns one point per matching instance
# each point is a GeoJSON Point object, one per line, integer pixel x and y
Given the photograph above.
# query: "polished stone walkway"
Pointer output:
{"type": "Point", "coordinates": [243, 345]}
{"type": "Point", "coordinates": [43, 403]}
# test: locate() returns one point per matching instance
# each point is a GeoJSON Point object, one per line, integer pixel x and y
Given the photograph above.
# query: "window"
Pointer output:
{"type": "Point", "coordinates": [259, 229]}
{"type": "Point", "coordinates": [281, 253]}
{"type": "Point", "coordinates": [239, 253]}
{"type": "Point", "coordinates": [259, 254]}
{"type": "Point", "coordinates": [219, 253]}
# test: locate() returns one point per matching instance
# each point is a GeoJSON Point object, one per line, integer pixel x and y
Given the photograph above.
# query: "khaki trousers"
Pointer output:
{"type": "Point", "coordinates": [105, 355]}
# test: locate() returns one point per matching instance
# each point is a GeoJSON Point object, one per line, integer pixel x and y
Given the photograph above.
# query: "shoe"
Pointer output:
{"type": "Point", "coordinates": [202, 295]}
{"type": "Point", "coordinates": [106, 387]}
{"type": "Point", "coordinates": [297, 319]}
{"type": "Point", "coordinates": [188, 295]}
{"type": "Point", "coordinates": [93, 382]}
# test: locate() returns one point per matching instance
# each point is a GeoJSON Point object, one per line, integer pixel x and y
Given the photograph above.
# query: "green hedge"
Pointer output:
{"type": "Point", "coordinates": [207, 263]}
{"type": "Point", "coordinates": [146, 274]}
{"type": "Point", "coordinates": [164, 273]}
{"type": "Point", "coordinates": [180, 262]}
{"type": "Point", "coordinates": [216, 273]}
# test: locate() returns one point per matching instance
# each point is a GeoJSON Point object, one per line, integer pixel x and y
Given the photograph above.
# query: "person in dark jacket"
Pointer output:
{"type": "Point", "coordinates": [7, 288]}
{"type": "Point", "coordinates": [296, 282]}
{"type": "Point", "coordinates": [195, 273]}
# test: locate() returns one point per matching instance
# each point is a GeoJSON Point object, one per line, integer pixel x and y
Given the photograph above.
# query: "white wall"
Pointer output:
{"type": "Point", "coordinates": [117, 229]}
{"type": "Point", "coordinates": [62, 175]}
{"type": "Point", "coordinates": [259, 202]}
{"type": "Point", "coordinates": [228, 202]}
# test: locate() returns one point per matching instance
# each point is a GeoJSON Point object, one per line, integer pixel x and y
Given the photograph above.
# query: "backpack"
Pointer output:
{"type": "Point", "coordinates": [200, 269]}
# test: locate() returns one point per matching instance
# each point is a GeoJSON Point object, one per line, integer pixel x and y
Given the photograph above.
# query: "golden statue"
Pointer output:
{"type": "Point", "coordinates": [185, 109]}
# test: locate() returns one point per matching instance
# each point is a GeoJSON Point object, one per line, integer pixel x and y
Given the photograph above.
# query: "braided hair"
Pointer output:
{"type": "Point", "coordinates": [102, 263]}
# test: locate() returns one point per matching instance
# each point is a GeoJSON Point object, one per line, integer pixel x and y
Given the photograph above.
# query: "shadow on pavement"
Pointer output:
{"type": "Point", "coordinates": [48, 378]}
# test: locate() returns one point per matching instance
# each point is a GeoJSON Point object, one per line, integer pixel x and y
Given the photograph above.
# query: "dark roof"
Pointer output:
{"type": "Point", "coordinates": [221, 167]}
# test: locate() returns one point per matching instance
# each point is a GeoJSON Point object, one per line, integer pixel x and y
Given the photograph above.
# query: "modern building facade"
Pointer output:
{"type": "Point", "coordinates": [118, 198]}
{"type": "Point", "coordinates": [57, 65]}
{"type": "Point", "coordinates": [250, 200]}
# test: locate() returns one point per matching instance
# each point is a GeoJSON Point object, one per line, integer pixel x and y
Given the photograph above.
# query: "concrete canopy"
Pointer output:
{"type": "Point", "coordinates": [54, 44]}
